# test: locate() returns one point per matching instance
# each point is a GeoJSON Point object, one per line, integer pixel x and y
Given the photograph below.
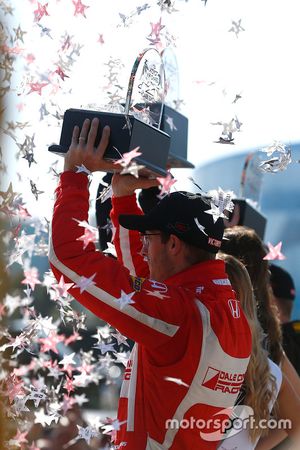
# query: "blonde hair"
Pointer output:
{"type": "Point", "coordinates": [259, 384]}
{"type": "Point", "coordinates": [245, 244]}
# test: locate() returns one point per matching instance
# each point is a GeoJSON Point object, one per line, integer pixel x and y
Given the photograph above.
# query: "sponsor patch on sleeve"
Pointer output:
{"type": "Point", "coordinates": [137, 283]}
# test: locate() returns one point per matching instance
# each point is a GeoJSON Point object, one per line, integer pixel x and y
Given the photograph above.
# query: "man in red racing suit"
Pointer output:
{"type": "Point", "coordinates": [192, 339]}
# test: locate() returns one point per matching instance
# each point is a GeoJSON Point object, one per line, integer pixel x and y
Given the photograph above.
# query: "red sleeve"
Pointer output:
{"type": "Point", "coordinates": [156, 311]}
{"type": "Point", "coordinates": [128, 243]}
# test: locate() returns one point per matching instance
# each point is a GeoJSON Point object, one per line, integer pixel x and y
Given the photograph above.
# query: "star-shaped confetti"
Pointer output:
{"type": "Point", "coordinates": [37, 87]}
{"type": "Point", "coordinates": [125, 299]}
{"type": "Point", "coordinates": [167, 5]}
{"type": "Point", "coordinates": [45, 31]}
{"type": "Point", "coordinates": [23, 212]}
{"type": "Point", "coordinates": [121, 340]}
{"type": "Point", "coordinates": [276, 146]}
{"type": "Point", "coordinates": [84, 283]}
{"type": "Point", "coordinates": [127, 157]}
{"type": "Point", "coordinates": [44, 419]}
{"type": "Point", "coordinates": [105, 194]}
{"type": "Point", "coordinates": [51, 342]}
{"type": "Point", "coordinates": [68, 385]}
{"type": "Point", "coordinates": [113, 425]}
{"type": "Point", "coordinates": [237, 97]}
{"type": "Point", "coordinates": [35, 191]}
{"type": "Point", "coordinates": [156, 294]}
{"type": "Point", "coordinates": [79, 8]}
{"type": "Point", "coordinates": [86, 433]}
{"type": "Point", "coordinates": [15, 387]}
{"type": "Point", "coordinates": [100, 39]}
{"type": "Point", "coordinates": [105, 348]}
{"type": "Point", "coordinates": [19, 34]}
{"type": "Point", "coordinates": [280, 158]}
{"type": "Point", "coordinates": [84, 224]}
{"type": "Point", "coordinates": [88, 236]}
{"type": "Point", "coordinates": [83, 169]}
{"type": "Point", "coordinates": [67, 362]}
{"type": "Point", "coordinates": [102, 333]}
{"type": "Point", "coordinates": [53, 370]}
{"type": "Point", "coordinates": [31, 277]}
{"type": "Point", "coordinates": [215, 212]}
{"type": "Point", "coordinates": [29, 156]}
{"type": "Point", "coordinates": [37, 395]}
{"type": "Point", "coordinates": [275, 164]}
{"type": "Point", "coordinates": [19, 405]}
{"type": "Point", "coordinates": [40, 12]}
{"type": "Point", "coordinates": [126, 20]}
{"type": "Point", "coordinates": [274, 252]}
{"type": "Point", "coordinates": [156, 28]}
{"type": "Point", "coordinates": [236, 27]}
{"type": "Point", "coordinates": [9, 196]}
{"type": "Point", "coordinates": [166, 184]}
{"type": "Point", "coordinates": [7, 9]}
{"type": "Point", "coordinates": [61, 73]}
{"type": "Point", "coordinates": [62, 288]}
{"type": "Point", "coordinates": [132, 169]}
{"type": "Point", "coordinates": [81, 399]}
{"type": "Point", "coordinates": [220, 201]}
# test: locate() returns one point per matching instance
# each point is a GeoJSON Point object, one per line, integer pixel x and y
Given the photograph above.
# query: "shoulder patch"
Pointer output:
{"type": "Point", "coordinates": [137, 283]}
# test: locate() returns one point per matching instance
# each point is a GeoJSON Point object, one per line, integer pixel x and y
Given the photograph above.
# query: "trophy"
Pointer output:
{"type": "Point", "coordinates": [173, 122]}
{"type": "Point", "coordinates": [246, 211]}
{"type": "Point", "coordinates": [139, 126]}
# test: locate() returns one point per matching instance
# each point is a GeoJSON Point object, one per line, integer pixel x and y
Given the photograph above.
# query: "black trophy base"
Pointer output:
{"type": "Point", "coordinates": [176, 125]}
{"type": "Point", "coordinates": [245, 214]}
{"type": "Point", "coordinates": [154, 144]}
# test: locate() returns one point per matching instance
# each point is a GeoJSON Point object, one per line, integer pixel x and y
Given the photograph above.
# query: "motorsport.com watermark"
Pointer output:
{"type": "Point", "coordinates": [234, 420]}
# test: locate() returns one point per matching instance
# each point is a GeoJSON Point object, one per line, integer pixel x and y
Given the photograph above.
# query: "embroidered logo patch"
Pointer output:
{"type": "Point", "coordinates": [234, 308]}
{"type": "Point", "coordinates": [226, 382]}
{"type": "Point", "coordinates": [137, 283]}
{"type": "Point", "coordinates": [214, 242]}
{"type": "Point", "coordinates": [199, 289]}
{"type": "Point", "coordinates": [159, 286]}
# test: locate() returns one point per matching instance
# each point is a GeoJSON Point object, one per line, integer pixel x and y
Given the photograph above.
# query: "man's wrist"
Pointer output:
{"type": "Point", "coordinates": [69, 169]}
{"type": "Point", "coordinates": [123, 193]}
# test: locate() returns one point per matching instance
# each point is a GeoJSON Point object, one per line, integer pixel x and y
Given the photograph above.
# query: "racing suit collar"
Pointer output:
{"type": "Point", "coordinates": [203, 272]}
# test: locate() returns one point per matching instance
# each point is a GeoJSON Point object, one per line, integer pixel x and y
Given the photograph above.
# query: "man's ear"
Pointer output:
{"type": "Point", "coordinates": [175, 244]}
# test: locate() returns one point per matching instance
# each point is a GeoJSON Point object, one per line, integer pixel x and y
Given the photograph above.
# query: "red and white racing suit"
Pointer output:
{"type": "Point", "coordinates": [192, 339]}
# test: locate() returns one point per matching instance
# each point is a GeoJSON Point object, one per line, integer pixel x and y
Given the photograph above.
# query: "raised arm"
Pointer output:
{"type": "Point", "coordinates": [101, 283]}
{"type": "Point", "coordinates": [128, 243]}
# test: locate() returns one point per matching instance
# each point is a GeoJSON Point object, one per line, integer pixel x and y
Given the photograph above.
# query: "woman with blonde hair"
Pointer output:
{"type": "Point", "coordinates": [245, 244]}
{"type": "Point", "coordinates": [263, 380]}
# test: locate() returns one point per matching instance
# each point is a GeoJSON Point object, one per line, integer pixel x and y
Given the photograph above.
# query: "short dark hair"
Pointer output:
{"type": "Point", "coordinates": [164, 237]}
{"type": "Point", "coordinates": [194, 254]}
